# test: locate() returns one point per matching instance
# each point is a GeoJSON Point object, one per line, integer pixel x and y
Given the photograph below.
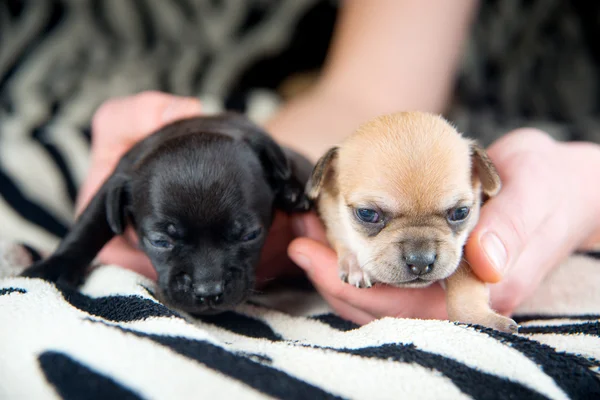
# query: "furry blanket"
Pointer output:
{"type": "Point", "coordinates": [113, 339]}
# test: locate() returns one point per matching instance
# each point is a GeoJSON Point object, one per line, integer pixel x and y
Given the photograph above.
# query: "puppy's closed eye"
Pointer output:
{"type": "Point", "coordinates": [164, 236]}
{"type": "Point", "coordinates": [161, 242]}
{"type": "Point", "coordinates": [251, 235]}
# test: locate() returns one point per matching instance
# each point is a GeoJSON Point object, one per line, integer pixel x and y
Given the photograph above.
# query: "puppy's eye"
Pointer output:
{"type": "Point", "coordinates": [458, 214]}
{"type": "Point", "coordinates": [161, 243]}
{"type": "Point", "coordinates": [367, 215]}
{"type": "Point", "coordinates": [252, 235]}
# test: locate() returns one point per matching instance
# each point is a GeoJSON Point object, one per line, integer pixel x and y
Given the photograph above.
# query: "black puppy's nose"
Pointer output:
{"type": "Point", "coordinates": [420, 262]}
{"type": "Point", "coordinates": [209, 292]}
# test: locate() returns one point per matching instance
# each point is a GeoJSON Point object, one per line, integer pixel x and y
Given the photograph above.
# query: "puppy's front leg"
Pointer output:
{"type": "Point", "coordinates": [467, 299]}
{"type": "Point", "coordinates": [78, 248]}
{"type": "Point", "coordinates": [349, 269]}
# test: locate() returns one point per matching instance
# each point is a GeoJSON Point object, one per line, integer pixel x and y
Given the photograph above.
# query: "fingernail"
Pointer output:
{"type": "Point", "coordinates": [301, 259]}
{"type": "Point", "coordinates": [495, 250]}
{"type": "Point", "coordinates": [298, 226]}
{"type": "Point", "coordinates": [180, 108]}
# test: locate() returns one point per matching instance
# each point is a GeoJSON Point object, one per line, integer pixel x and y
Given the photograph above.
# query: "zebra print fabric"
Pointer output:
{"type": "Point", "coordinates": [114, 340]}
{"type": "Point", "coordinates": [60, 59]}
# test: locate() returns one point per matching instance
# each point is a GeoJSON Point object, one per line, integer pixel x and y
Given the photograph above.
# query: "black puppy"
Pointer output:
{"type": "Point", "coordinates": [201, 195]}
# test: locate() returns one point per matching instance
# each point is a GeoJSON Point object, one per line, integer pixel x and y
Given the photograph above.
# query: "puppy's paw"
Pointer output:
{"type": "Point", "coordinates": [350, 272]}
{"type": "Point", "coordinates": [500, 323]}
{"type": "Point", "coordinates": [489, 319]}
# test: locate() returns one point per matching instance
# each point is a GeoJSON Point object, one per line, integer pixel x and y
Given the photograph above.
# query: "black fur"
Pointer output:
{"type": "Point", "coordinates": [201, 195]}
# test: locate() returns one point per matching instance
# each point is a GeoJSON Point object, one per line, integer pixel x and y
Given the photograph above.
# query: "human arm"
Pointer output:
{"type": "Point", "coordinates": [385, 56]}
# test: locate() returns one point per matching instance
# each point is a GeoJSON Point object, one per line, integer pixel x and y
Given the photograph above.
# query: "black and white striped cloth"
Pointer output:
{"type": "Point", "coordinates": [114, 340]}
{"type": "Point", "coordinates": [60, 59]}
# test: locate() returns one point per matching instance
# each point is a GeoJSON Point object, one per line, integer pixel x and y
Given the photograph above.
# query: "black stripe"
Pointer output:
{"type": "Point", "coordinates": [145, 19]}
{"type": "Point", "coordinates": [586, 328]}
{"type": "Point", "coordinates": [116, 308]}
{"type": "Point", "coordinates": [263, 378]}
{"type": "Point", "coordinates": [164, 80]}
{"type": "Point", "coordinates": [33, 253]}
{"type": "Point", "coordinates": [55, 15]}
{"type": "Point", "coordinates": [592, 254]}
{"type": "Point", "coordinates": [539, 317]}
{"type": "Point", "coordinates": [236, 101]}
{"type": "Point", "coordinates": [15, 8]}
{"type": "Point", "coordinates": [103, 24]}
{"type": "Point", "coordinates": [10, 290]}
{"type": "Point", "coordinates": [28, 209]}
{"type": "Point", "coordinates": [187, 10]}
{"type": "Point", "coordinates": [73, 380]}
{"type": "Point", "coordinates": [59, 161]}
{"type": "Point", "coordinates": [260, 358]}
{"type": "Point", "coordinates": [336, 322]}
{"type": "Point", "coordinates": [87, 134]}
{"type": "Point", "coordinates": [571, 373]}
{"type": "Point", "coordinates": [242, 325]}
{"type": "Point", "coordinates": [475, 383]}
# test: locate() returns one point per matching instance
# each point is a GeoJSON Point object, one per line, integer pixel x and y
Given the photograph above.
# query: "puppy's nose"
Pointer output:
{"type": "Point", "coordinates": [209, 292]}
{"type": "Point", "coordinates": [420, 262]}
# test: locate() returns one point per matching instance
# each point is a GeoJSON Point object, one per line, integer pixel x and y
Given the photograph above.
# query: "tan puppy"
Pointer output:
{"type": "Point", "coordinates": [399, 198]}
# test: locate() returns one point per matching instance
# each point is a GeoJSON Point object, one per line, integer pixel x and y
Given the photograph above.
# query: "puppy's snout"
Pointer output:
{"type": "Point", "coordinates": [202, 292]}
{"type": "Point", "coordinates": [420, 262]}
{"type": "Point", "coordinates": [209, 292]}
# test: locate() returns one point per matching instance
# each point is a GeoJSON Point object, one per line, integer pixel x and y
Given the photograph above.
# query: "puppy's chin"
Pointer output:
{"type": "Point", "coordinates": [236, 293]}
{"type": "Point", "coordinates": [415, 284]}
{"type": "Point", "coordinates": [195, 309]}
{"type": "Point", "coordinates": [401, 278]}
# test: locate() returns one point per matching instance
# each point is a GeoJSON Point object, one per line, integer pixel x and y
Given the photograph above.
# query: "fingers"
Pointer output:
{"type": "Point", "coordinates": [509, 221]}
{"type": "Point", "coordinates": [348, 312]}
{"type": "Point", "coordinates": [309, 225]}
{"type": "Point", "coordinates": [120, 123]}
{"type": "Point", "coordinates": [274, 262]}
{"type": "Point", "coordinates": [573, 222]}
{"type": "Point", "coordinates": [129, 119]}
{"type": "Point", "coordinates": [320, 264]}
{"type": "Point", "coordinates": [532, 265]}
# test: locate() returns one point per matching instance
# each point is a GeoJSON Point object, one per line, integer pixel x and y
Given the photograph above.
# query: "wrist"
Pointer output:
{"type": "Point", "coordinates": [322, 117]}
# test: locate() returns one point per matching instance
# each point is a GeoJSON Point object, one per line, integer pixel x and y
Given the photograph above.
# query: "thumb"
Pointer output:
{"type": "Point", "coordinates": [309, 254]}
{"type": "Point", "coordinates": [507, 223]}
{"type": "Point", "coordinates": [308, 225]}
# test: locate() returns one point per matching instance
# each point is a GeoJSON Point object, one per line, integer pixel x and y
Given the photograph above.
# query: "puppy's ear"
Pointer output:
{"type": "Point", "coordinates": [485, 171]}
{"type": "Point", "coordinates": [286, 171]}
{"type": "Point", "coordinates": [117, 201]}
{"type": "Point", "coordinates": [324, 167]}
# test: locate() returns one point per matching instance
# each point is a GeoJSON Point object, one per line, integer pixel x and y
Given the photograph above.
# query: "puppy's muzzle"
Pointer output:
{"type": "Point", "coordinates": [199, 293]}
{"type": "Point", "coordinates": [418, 257]}
{"type": "Point", "coordinates": [420, 262]}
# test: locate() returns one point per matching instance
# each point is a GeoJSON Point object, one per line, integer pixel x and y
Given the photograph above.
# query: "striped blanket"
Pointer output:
{"type": "Point", "coordinates": [113, 340]}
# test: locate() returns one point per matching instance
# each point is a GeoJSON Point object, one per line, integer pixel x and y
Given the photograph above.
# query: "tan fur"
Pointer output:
{"type": "Point", "coordinates": [467, 299]}
{"type": "Point", "coordinates": [413, 168]}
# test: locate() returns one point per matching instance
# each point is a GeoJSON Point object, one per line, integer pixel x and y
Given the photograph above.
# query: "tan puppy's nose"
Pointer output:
{"type": "Point", "coordinates": [420, 262]}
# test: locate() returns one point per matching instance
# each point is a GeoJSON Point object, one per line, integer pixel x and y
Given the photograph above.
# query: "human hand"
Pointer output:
{"type": "Point", "coordinates": [545, 210]}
